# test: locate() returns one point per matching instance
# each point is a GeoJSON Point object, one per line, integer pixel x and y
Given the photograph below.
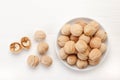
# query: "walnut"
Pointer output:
{"type": "Point", "coordinates": [95, 42]}
{"type": "Point", "coordinates": [83, 23]}
{"type": "Point", "coordinates": [95, 54]}
{"type": "Point", "coordinates": [85, 38]}
{"type": "Point", "coordinates": [62, 54]}
{"type": "Point", "coordinates": [69, 47]}
{"type": "Point", "coordinates": [74, 38]}
{"type": "Point", "coordinates": [33, 60]}
{"type": "Point", "coordinates": [66, 29]}
{"type": "Point", "coordinates": [62, 40]}
{"type": "Point", "coordinates": [46, 60]}
{"type": "Point", "coordinates": [76, 30]}
{"type": "Point", "coordinates": [81, 46]}
{"type": "Point", "coordinates": [26, 42]}
{"type": "Point", "coordinates": [94, 62]}
{"type": "Point", "coordinates": [39, 35]}
{"type": "Point", "coordinates": [42, 48]}
{"type": "Point", "coordinates": [81, 64]}
{"type": "Point", "coordinates": [82, 56]}
{"type": "Point", "coordinates": [15, 47]}
{"type": "Point", "coordinates": [103, 48]}
{"type": "Point", "coordinates": [101, 34]}
{"type": "Point", "coordinates": [91, 28]}
{"type": "Point", "coordinates": [71, 59]}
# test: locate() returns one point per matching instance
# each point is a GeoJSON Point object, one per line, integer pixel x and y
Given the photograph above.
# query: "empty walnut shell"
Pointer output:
{"type": "Point", "coordinates": [39, 35]}
{"type": "Point", "coordinates": [25, 42]}
{"type": "Point", "coordinates": [62, 40]}
{"type": "Point", "coordinates": [71, 59]}
{"type": "Point", "coordinates": [42, 48]}
{"type": "Point", "coordinates": [15, 47]}
{"type": "Point", "coordinates": [62, 54]}
{"type": "Point", "coordinates": [66, 29]}
{"type": "Point", "coordinates": [76, 30]}
{"type": "Point", "coordinates": [46, 60]}
{"type": "Point", "coordinates": [69, 47]}
{"type": "Point", "coordinates": [85, 38]}
{"type": "Point", "coordinates": [82, 56]}
{"type": "Point", "coordinates": [103, 48]}
{"type": "Point", "coordinates": [95, 42]}
{"type": "Point", "coordinates": [74, 38]}
{"type": "Point", "coordinates": [91, 28]}
{"type": "Point", "coordinates": [95, 54]}
{"type": "Point", "coordinates": [81, 46]}
{"type": "Point", "coordinates": [33, 61]}
{"type": "Point", "coordinates": [101, 34]}
{"type": "Point", "coordinates": [81, 64]}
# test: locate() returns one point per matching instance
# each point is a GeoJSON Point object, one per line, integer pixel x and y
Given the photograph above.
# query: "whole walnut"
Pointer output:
{"type": "Point", "coordinates": [91, 28]}
{"type": "Point", "coordinates": [71, 59]}
{"type": "Point", "coordinates": [95, 42]}
{"type": "Point", "coordinates": [81, 46]}
{"type": "Point", "coordinates": [69, 47]}
{"type": "Point", "coordinates": [81, 64]}
{"type": "Point", "coordinates": [66, 29]}
{"type": "Point", "coordinates": [46, 60]}
{"type": "Point", "coordinates": [85, 38]}
{"type": "Point", "coordinates": [94, 62]}
{"type": "Point", "coordinates": [62, 54]}
{"type": "Point", "coordinates": [39, 35]}
{"type": "Point", "coordinates": [42, 48]}
{"type": "Point", "coordinates": [82, 56]}
{"type": "Point", "coordinates": [101, 34]}
{"type": "Point", "coordinates": [103, 47]}
{"type": "Point", "coordinates": [62, 40]}
{"type": "Point", "coordinates": [33, 60]}
{"type": "Point", "coordinates": [95, 54]}
{"type": "Point", "coordinates": [76, 30]}
{"type": "Point", "coordinates": [83, 23]}
{"type": "Point", "coordinates": [74, 38]}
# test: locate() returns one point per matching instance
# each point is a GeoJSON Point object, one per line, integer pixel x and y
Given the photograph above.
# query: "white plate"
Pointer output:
{"type": "Point", "coordinates": [74, 67]}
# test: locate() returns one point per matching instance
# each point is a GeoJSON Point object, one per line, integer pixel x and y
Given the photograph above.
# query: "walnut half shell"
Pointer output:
{"type": "Point", "coordinates": [15, 47]}
{"type": "Point", "coordinates": [25, 42]}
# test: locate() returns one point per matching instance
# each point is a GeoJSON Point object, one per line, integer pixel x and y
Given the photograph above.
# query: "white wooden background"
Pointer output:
{"type": "Point", "coordinates": [20, 18]}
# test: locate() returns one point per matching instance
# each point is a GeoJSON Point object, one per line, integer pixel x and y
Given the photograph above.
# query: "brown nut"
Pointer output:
{"type": "Point", "coordinates": [71, 59]}
{"type": "Point", "coordinates": [82, 56]}
{"type": "Point", "coordinates": [95, 54]}
{"type": "Point", "coordinates": [25, 42]}
{"type": "Point", "coordinates": [83, 23]}
{"type": "Point", "coordinates": [42, 48]}
{"type": "Point", "coordinates": [94, 62]}
{"type": "Point", "coordinates": [69, 47]}
{"type": "Point", "coordinates": [33, 60]}
{"type": "Point", "coordinates": [81, 46]}
{"type": "Point", "coordinates": [81, 64]}
{"type": "Point", "coordinates": [66, 29]}
{"type": "Point", "coordinates": [74, 38]}
{"type": "Point", "coordinates": [85, 38]}
{"type": "Point", "coordinates": [39, 35]}
{"type": "Point", "coordinates": [46, 60]}
{"type": "Point", "coordinates": [76, 30]}
{"type": "Point", "coordinates": [95, 42]}
{"type": "Point", "coordinates": [62, 40]}
{"type": "Point", "coordinates": [101, 34]}
{"type": "Point", "coordinates": [103, 48]}
{"type": "Point", "coordinates": [15, 47]}
{"type": "Point", "coordinates": [91, 28]}
{"type": "Point", "coordinates": [62, 54]}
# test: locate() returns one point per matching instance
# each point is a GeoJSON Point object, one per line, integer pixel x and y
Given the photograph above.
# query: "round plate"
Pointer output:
{"type": "Point", "coordinates": [57, 48]}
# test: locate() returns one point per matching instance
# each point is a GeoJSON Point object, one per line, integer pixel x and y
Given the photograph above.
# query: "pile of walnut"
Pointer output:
{"type": "Point", "coordinates": [82, 43]}
{"type": "Point", "coordinates": [42, 48]}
